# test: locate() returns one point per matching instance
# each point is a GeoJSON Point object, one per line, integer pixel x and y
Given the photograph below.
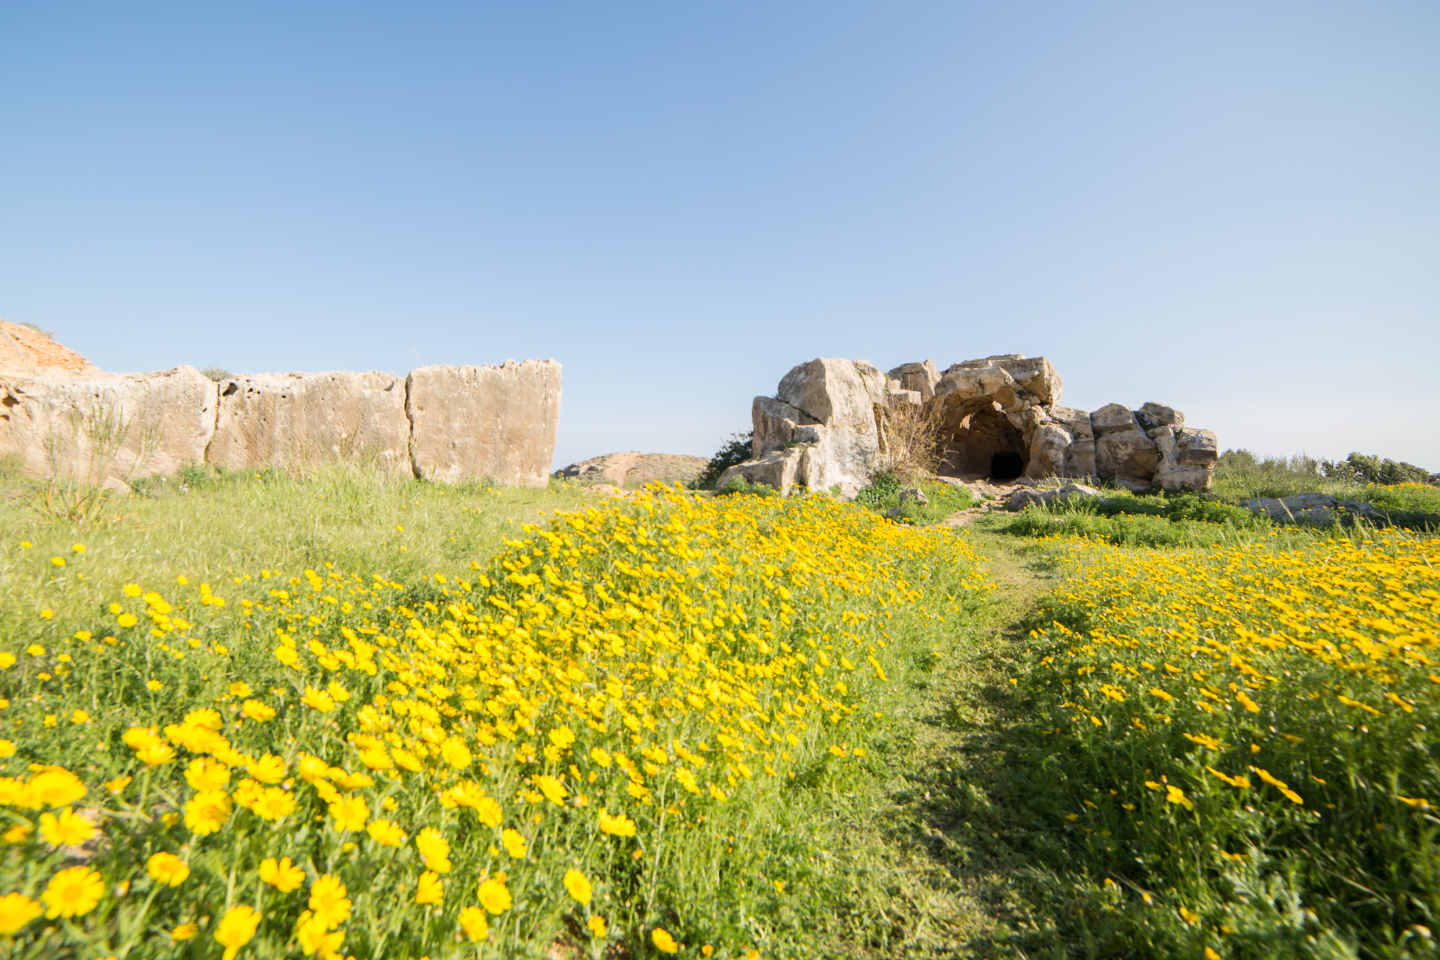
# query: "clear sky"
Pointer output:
{"type": "Point", "coordinates": [1230, 208]}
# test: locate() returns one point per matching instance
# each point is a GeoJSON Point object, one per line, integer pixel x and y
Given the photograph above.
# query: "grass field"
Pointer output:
{"type": "Point", "coordinates": [257, 716]}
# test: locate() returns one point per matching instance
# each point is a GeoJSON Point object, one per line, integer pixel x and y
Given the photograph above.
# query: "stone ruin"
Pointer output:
{"type": "Point", "coordinates": [440, 423]}
{"type": "Point", "coordinates": [998, 419]}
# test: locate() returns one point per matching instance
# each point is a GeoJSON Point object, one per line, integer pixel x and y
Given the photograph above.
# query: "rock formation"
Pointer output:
{"type": "Point", "coordinates": [819, 430]}
{"type": "Point", "coordinates": [999, 418]}
{"type": "Point", "coordinates": [447, 424]}
{"type": "Point", "coordinates": [27, 352]}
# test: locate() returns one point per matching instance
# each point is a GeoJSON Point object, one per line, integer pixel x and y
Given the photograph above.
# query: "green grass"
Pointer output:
{"type": "Point", "coordinates": [217, 527]}
{"type": "Point", "coordinates": [883, 496]}
{"type": "Point", "coordinates": [979, 821]}
{"type": "Point", "coordinates": [1240, 476]}
{"type": "Point", "coordinates": [812, 860]}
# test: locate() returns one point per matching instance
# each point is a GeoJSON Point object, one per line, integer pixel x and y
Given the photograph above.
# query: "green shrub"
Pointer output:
{"type": "Point", "coordinates": [883, 496]}
{"type": "Point", "coordinates": [1384, 472]}
{"type": "Point", "coordinates": [741, 485]}
{"type": "Point", "coordinates": [735, 450]}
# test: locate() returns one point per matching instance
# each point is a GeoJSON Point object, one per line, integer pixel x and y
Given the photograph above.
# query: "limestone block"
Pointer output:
{"type": "Point", "coordinates": [835, 392]}
{"type": "Point", "coordinates": [1036, 376]}
{"type": "Point", "coordinates": [1024, 497]}
{"type": "Point", "coordinates": [971, 388]}
{"type": "Point", "coordinates": [917, 376]}
{"type": "Point", "coordinates": [1175, 476]}
{"type": "Point", "coordinates": [1153, 415]}
{"type": "Point", "coordinates": [1047, 451]}
{"type": "Point", "coordinates": [1077, 421]}
{"type": "Point", "coordinates": [778, 468]}
{"type": "Point", "coordinates": [94, 426]}
{"type": "Point", "coordinates": [294, 420]}
{"type": "Point", "coordinates": [841, 397]}
{"type": "Point", "coordinates": [1129, 454]}
{"type": "Point", "coordinates": [1196, 448]}
{"type": "Point", "coordinates": [985, 361]}
{"type": "Point", "coordinates": [777, 423]}
{"type": "Point", "coordinates": [490, 422]}
{"type": "Point", "coordinates": [1080, 459]}
{"type": "Point", "coordinates": [1113, 418]}
{"type": "Point", "coordinates": [1164, 438]}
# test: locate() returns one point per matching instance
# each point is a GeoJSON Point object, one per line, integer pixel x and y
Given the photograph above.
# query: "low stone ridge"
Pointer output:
{"type": "Point", "coordinates": [1027, 496]}
{"type": "Point", "coordinates": [1312, 508]}
{"type": "Point", "coordinates": [635, 469]}
{"type": "Point", "coordinates": [447, 424]}
{"type": "Point", "coordinates": [998, 417]}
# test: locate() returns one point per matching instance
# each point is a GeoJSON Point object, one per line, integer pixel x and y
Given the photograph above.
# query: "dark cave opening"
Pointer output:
{"type": "Point", "coordinates": [1005, 465]}
{"type": "Point", "coordinates": [985, 445]}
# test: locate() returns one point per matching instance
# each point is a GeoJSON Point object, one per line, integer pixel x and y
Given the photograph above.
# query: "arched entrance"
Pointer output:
{"type": "Point", "coordinates": [986, 445]}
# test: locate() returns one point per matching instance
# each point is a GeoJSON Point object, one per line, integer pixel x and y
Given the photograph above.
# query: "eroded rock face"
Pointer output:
{"type": "Point", "coordinates": [998, 417]}
{"type": "Point", "coordinates": [291, 420]}
{"type": "Point", "coordinates": [485, 422]}
{"type": "Point", "coordinates": [94, 427]}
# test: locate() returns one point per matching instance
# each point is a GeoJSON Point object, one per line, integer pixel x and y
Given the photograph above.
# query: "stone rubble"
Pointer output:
{"type": "Point", "coordinates": [1318, 508]}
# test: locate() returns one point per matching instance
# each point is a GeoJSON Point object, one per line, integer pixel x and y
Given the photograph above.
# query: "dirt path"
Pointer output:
{"type": "Point", "coordinates": [954, 836]}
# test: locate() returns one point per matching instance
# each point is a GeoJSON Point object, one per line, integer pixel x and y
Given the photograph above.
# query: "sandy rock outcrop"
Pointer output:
{"type": "Point", "coordinates": [290, 420]}
{"type": "Point", "coordinates": [496, 422]}
{"type": "Point", "coordinates": [26, 352]}
{"type": "Point", "coordinates": [97, 427]}
{"type": "Point", "coordinates": [634, 469]}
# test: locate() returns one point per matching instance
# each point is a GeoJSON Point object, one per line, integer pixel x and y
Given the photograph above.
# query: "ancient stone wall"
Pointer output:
{"type": "Point", "coordinates": [447, 424]}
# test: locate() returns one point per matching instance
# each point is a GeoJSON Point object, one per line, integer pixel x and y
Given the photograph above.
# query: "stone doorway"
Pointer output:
{"type": "Point", "coordinates": [985, 446]}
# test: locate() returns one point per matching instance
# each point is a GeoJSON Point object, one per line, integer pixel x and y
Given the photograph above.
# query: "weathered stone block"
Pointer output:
{"type": "Point", "coordinates": [1080, 459]}
{"type": "Point", "coordinates": [776, 423]}
{"type": "Point", "coordinates": [1113, 418]}
{"type": "Point", "coordinates": [778, 468]}
{"type": "Point", "coordinates": [97, 426]}
{"type": "Point", "coordinates": [1153, 415]}
{"type": "Point", "coordinates": [1130, 455]}
{"type": "Point", "coordinates": [472, 423]}
{"type": "Point", "coordinates": [295, 420]}
{"type": "Point", "coordinates": [917, 376]}
{"type": "Point", "coordinates": [1047, 451]}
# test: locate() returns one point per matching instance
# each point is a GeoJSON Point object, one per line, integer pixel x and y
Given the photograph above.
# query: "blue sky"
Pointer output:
{"type": "Point", "coordinates": [1231, 208]}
